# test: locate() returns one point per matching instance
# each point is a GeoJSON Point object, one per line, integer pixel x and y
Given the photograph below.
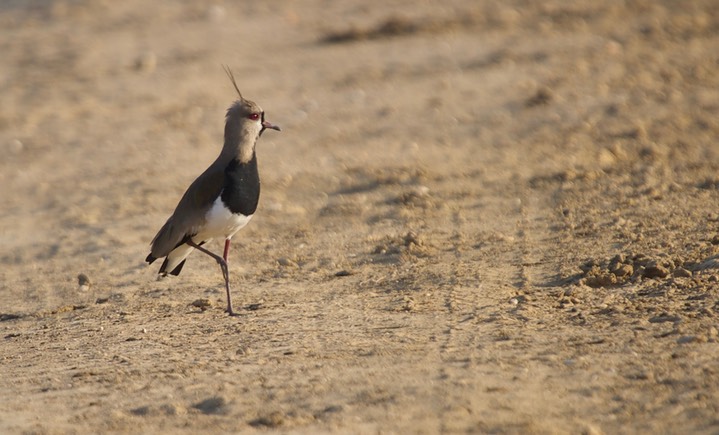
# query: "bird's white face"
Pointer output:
{"type": "Point", "coordinates": [245, 124]}
{"type": "Point", "coordinates": [254, 123]}
{"type": "Point", "coordinates": [256, 117]}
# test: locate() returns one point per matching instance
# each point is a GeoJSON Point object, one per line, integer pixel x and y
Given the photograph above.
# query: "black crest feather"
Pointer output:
{"type": "Point", "coordinates": [228, 71]}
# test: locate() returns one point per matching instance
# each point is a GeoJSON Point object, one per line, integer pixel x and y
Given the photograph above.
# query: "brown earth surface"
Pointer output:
{"type": "Point", "coordinates": [480, 216]}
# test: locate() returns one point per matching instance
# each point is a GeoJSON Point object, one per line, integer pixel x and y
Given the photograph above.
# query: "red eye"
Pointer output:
{"type": "Point", "coordinates": [254, 116]}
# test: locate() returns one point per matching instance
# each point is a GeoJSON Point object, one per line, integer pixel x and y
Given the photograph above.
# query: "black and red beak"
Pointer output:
{"type": "Point", "coordinates": [267, 124]}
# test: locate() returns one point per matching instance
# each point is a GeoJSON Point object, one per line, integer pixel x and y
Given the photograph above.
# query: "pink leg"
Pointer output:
{"type": "Point", "coordinates": [225, 271]}
{"type": "Point", "coordinates": [227, 249]}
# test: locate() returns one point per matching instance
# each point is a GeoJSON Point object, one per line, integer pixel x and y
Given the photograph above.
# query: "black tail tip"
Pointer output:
{"type": "Point", "coordinates": [176, 271]}
{"type": "Point", "coordinates": [150, 259]}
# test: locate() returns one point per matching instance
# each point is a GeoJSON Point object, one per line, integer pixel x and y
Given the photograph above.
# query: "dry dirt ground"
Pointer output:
{"type": "Point", "coordinates": [480, 216]}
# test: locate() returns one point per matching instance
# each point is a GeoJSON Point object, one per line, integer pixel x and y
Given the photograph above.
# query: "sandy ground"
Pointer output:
{"type": "Point", "coordinates": [483, 217]}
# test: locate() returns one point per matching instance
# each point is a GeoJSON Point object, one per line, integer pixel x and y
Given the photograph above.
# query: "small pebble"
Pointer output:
{"type": "Point", "coordinates": [655, 271]}
{"type": "Point", "coordinates": [202, 304]}
{"type": "Point", "coordinates": [254, 307]}
{"type": "Point", "coordinates": [173, 409]}
{"type": "Point", "coordinates": [681, 273]}
{"type": "Point", "coordinates": [286, 262]}
{"type": "Point", "coordinates": [83, 282]}
{"type": "Point", "coordinates": [686, 339]}
{"type": "Point", "coordinates": [665, 317]}
{"type": "Point", "coordinates": [274, 419]}
{"type": "Point", "coordinates": [344, 273]}
{"type": "Point", "coordinates": [141, 411]}
{"type": "Point", "coordinates": [623, 270]}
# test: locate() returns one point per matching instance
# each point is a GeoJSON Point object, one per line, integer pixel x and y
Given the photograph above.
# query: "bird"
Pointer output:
{"type": "Point", "coordinates": [222, 200]}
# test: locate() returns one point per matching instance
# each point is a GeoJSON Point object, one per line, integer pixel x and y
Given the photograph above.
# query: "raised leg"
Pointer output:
{"type": "Point", "coordinates": [225, 272]}
{"type": "Point", "coordinates": [227, 249]}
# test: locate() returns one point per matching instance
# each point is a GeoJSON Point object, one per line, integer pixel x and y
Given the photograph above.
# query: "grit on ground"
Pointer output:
{"type": "Point", "coordinates": [493, 217]}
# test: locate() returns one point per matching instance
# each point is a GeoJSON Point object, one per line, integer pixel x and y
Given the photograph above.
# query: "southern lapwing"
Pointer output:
{"type": "Point", "coordinates": [221, 200]}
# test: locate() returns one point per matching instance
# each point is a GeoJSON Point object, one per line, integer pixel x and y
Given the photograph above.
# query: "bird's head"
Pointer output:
{"type": "Point", "coordinates": [244, 124]}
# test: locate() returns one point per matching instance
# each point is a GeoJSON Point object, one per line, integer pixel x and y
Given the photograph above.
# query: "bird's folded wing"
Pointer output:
{"type": "Point", "coordinates": [189, 215]}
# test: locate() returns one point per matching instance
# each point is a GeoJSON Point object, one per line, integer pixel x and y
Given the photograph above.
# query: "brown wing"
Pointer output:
{"type": "Point", "coordinates": [189, 215]}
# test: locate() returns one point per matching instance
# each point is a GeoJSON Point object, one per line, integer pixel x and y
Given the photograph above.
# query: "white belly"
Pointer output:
{"type": "Point", "coordinates": [220, 222]}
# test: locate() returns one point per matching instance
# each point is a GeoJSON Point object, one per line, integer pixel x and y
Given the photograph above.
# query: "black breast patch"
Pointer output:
{"type": "Point", "coordinates": [241, 191]}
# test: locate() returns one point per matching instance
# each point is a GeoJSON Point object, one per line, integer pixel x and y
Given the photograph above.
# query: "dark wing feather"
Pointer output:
{"type": "Point", "coordinates": [189, 215]}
